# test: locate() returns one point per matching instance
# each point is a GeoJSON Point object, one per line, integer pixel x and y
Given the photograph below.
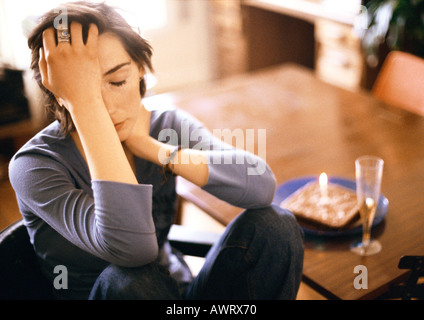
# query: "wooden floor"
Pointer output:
{"type": "Point", "coordinates": [192, 216]}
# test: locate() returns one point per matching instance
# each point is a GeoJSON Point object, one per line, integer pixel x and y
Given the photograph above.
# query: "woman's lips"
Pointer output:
{"type": "Point", "coordinates": [119, 125]}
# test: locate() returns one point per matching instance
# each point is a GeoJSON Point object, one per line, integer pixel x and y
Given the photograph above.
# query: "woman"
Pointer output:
{"type": "Point", "coordinates": [94, 195]}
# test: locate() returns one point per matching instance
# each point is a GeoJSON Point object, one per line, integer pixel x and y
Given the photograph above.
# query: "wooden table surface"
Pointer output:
{"type": "Point", "coordinates": [313, 127]}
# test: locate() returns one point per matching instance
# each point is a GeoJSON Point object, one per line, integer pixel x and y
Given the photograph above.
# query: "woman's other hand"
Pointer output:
{"type": "Point", "coordinates": [139, 141]}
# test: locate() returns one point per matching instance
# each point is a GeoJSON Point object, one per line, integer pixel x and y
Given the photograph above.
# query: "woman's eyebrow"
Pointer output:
{"type": "Point", "coordinates": [116, 68]}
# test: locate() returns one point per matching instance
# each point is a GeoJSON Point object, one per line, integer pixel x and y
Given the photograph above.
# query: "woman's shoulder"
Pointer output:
{"type": "Point", "coordinates": [50, 144]}
{"type": "Point", "coordinates": [172, 118]}
{"type": "Point", "coordinates": [44, 140]}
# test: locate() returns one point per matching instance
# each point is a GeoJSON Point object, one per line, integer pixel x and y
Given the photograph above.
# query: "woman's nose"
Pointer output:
{"type": "Point", "coordinates": [111, 110]}
{"type": "Point", "coordinates": [110, 107]}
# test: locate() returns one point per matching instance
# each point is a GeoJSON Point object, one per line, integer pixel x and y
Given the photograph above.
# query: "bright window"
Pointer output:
{"type": "Point", "coordinates": [17, 18]}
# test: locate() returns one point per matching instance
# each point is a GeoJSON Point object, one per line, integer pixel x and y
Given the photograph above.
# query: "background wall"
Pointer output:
{"type": "Point", "coordinates": [180, 32]}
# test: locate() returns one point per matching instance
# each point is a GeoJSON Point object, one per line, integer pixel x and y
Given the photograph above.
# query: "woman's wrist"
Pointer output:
{"type": "Point", "coordinates": [168, 163]}
{"type": "Point", "coordinates": [188, 163]}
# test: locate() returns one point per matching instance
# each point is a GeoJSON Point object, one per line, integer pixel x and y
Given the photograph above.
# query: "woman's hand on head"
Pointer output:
{"type": "Point", "coordinates": [71, 70]}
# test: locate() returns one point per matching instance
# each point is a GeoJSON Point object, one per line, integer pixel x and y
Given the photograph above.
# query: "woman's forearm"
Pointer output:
{"type": "Point", "coordinates": [103, 150]}
{"type": "Point", "coordinates": [192, 165]}
{"type": "Point", "coordinates": [188, 163]}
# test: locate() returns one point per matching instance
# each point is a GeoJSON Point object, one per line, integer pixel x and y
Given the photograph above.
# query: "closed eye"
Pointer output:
{"type": "Point", "coordinates": [118, 84]}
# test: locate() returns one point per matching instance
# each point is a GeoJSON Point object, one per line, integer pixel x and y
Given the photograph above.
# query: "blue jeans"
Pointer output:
{"type": "Point", "coordinates": [259, 256]}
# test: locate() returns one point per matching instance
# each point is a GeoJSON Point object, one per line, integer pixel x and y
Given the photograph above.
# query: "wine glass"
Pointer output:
{"type": "Point", "coordinates": [369, 172]}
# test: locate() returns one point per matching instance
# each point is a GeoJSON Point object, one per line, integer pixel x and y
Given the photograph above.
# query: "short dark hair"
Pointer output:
{"type": "Point", "coordinates": [107, 19]}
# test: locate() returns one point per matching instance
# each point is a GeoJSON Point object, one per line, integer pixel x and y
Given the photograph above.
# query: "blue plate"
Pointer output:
{"type": "Point", "coordinates": [286, 189]}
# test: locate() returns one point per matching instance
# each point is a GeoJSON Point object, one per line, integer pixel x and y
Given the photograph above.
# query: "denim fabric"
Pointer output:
{"type": "Point", "coordinates": [149, 282]}
{"type": "Point", "coordinates": [259, 256]}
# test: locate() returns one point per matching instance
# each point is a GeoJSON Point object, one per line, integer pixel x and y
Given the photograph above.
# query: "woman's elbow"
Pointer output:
{"type": "Point", "coordinates": [138, 255]}
{"type": "Point", "coordinates": [265, 186]}
{"type": "Point", "coordinates": [268, 192]}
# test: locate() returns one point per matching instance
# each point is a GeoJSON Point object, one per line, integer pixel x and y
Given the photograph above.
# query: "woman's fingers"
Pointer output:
{"type": "Point", "coordinates": [42, 65]}
{"type": "Point", "coordinates": [76, 34]}
{"type": "Point", "coordinates": [93, 37]}
{"type": "Point", "coordinates": [49, 40]}
{"type": "Point", "coordinates": [49, 37]}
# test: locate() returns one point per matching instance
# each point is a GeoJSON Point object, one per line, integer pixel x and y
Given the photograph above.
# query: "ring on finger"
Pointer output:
{"type": "Point", "coordinates": [63, 35]}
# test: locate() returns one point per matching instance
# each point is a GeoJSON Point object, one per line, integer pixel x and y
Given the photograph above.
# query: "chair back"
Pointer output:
{"type": "Point", "coordinates": [412, 287]}
{"type": "Point", "coordinates": [400, 82]}
{"type": "Point", "coordinates": [20, 274]}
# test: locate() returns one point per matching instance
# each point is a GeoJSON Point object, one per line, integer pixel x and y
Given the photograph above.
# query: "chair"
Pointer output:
{"type": "Point", "coordinates": [21, 277]}
{"type": "Point", "coordinates": [412, 288]}
{"type": "Point", "coordinates": [400, 82]}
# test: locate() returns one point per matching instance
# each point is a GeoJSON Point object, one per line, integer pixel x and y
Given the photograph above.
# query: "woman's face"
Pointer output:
{"type": "Point", "coordinates": [120, 84]}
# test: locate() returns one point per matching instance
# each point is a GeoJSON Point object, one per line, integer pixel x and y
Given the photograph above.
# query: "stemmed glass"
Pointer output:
{"type": "Point", "coordinates": [369, 172]}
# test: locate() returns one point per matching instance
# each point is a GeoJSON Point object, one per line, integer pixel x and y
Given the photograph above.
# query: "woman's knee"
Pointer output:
{"type": "Point", "coordinates": [263, 250]}
{"type": "Point", "coordinates": [276, 223]}
{"type": "Point", "coordinates": [149, 282]}
{"type": "Point", "coordinates": [282, 251]}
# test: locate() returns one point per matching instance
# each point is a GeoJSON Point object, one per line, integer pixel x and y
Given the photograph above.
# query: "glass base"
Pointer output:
{"type": "Point", "coordinates": [373, 248]}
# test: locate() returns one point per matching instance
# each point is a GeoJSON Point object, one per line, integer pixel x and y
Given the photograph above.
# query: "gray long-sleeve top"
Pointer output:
{"type": "Point", "coordinates": [86, 224]}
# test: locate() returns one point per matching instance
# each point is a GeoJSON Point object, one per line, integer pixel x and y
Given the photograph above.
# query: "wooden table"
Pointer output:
{"type": "Point", "coordinates": [313, 127]}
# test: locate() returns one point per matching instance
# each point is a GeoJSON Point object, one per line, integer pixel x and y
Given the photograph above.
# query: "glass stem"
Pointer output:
{"type": "Point", "coordinates": [366, 234]}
